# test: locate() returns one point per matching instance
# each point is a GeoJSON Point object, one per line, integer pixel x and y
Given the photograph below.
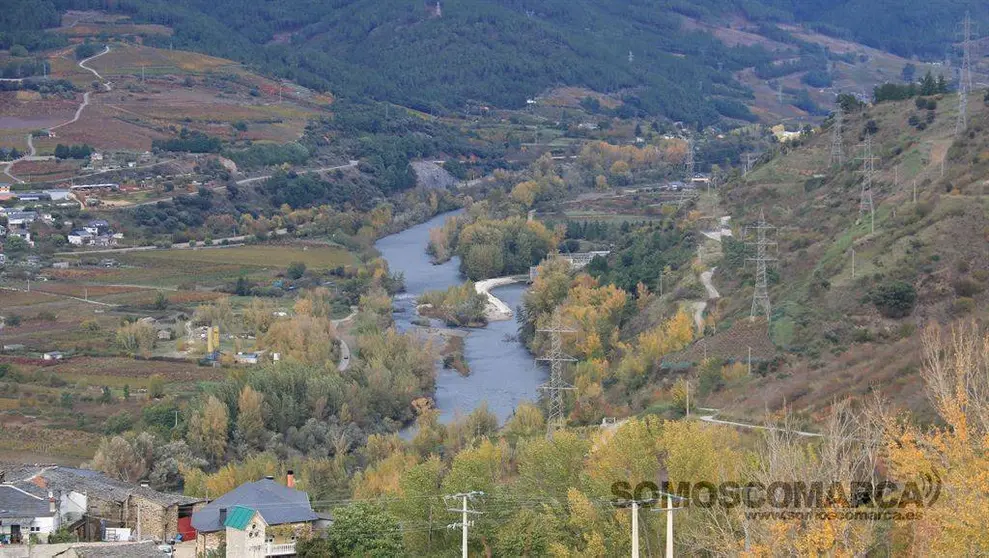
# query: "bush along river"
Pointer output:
{"type": "Point", "coordinates": [502, 372]}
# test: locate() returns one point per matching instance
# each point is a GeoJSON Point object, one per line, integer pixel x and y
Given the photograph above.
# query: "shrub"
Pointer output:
{"type": "Point", "coordinates": [963, 306]}
{"type": "Point", "coordinates": [965, 287]}
{"type": "Point", "coordinates": [296, 270]}
{"type": "Point", "coordinates": [894, 299]}
{"type": "Point", "coordinates": [118, 423]}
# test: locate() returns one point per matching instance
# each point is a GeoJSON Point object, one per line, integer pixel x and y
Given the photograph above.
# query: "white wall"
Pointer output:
{"type": "Point", "coordinates": [71, 506]}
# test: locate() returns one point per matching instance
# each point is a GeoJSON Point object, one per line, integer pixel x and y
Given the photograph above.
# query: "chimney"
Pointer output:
{"type": "Point", "coordinates": [290, 479]}
{"type": "Point", "coordinates": [51, 502]}
{"type": "Point", "coordinates": [223, 516]}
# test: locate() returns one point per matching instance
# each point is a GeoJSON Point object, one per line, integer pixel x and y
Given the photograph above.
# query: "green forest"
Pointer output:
{"type": "Point", "coordinates": [508, 51]}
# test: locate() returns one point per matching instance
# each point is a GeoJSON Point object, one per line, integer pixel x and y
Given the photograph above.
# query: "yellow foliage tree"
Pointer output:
{"type": "Point", "coordinates": [208, 429]}
{"type": "Point", "coordinates": [525, 193]}
{"type": "Point", "coordinates": [956, 375]}
{"type": "Point", "coordinates": [304, 339]}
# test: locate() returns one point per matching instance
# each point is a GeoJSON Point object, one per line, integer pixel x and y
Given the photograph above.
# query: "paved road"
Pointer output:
{"type": "Point", "coordinates": [217, 244]}
{"type": "Point", "coordinates": [344, 348]}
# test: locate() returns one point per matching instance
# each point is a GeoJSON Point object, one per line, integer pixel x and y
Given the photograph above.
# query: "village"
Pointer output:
{"type": "Point", "coordinates": [85, 514]}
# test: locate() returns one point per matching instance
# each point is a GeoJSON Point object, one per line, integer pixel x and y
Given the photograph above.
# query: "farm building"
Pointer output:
{"type": "Point", "coordinates": [88, 502]}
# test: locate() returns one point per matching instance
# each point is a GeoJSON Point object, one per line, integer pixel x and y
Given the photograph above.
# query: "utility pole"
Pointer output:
{"type": "Point", "coordinates": [142, 73]}
{"type": "Point", "coordinates": [463, 511]}
{"type": "Point", "coordinates": [837, 151]}
{"type": "Point", "coordinates": [853, 263]}
{"type": "Point", "coordinates": [779, 91]}
{"type": "Point", "coordinates": [964, 76]}
{"type": "Point", "coordinates": [914, 190]}
{"type": "Point", "coordinates": [750, 361]}
{"type": "Point", "coordinates": [555, 388]}
{"type": "Point", "coordinates": [760, 296]}
{"type": "Point", "coordinates": [866, 204]}
{"type": "Point", "coordinates": [635, 529]}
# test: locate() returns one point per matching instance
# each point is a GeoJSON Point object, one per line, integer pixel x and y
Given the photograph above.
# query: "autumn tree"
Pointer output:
{"type": "Point", "coordinates": [304, 339]}
{"type": "Point", "coordinates": [137, 338]}
{"type": "Point", "coordinates": [250, 418]}
{"type": "Point", "coordinates": [259, 315]}
{"type": "Point", "coordinates": [953, 453]}
{"type": "Point", "coordinates": [208, 428]}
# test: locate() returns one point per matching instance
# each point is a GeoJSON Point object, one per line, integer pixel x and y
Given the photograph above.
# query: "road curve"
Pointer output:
{"type": "Point", "coordinates": [32, 152]}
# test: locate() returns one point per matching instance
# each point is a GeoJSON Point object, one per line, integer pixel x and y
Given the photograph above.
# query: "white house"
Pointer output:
{"type": "Point", "coordinates": [246, 533]}
{"type": "Point", "coordinates": [23, 514]}
{"type": "Point", "coordinates": [80, 237]}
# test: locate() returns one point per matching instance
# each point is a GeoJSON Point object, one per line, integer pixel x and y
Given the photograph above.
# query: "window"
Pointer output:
{"type": "Point", "coordinates": [35, 529]}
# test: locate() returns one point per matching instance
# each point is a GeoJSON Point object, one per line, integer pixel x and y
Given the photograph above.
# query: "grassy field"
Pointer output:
{"type": "Point", "coordinates": [263, 256]}
{"type": "Point", "coordinates": [205, 267]}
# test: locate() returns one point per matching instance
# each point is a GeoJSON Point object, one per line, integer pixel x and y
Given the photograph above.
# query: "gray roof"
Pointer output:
{"type": "Point", "coordinates": [134, 550]}
{"type": "Point", "coordinates": [17, 503]}
{"type": "Point", "coordinates": [98, 484]}
{"type": "Point", "coordinates": [278, 505]}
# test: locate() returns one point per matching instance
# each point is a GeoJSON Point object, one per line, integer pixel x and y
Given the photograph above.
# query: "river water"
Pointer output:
{"type": "Point", "coordinates": [503, 373]}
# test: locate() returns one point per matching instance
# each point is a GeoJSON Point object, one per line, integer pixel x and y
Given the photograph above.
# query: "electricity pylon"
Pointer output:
{"type": "Point", "coordinates": [556, 386]}
{"type": "Point", "coordinates": [866, 204]}
{"type": "Point", "coordinates": [964, 76]}
{"type": "Point", "coordinates": [760, 296]}
{"type": "Point", "coordinates": [837, 147]}
{"type": "Point", "coordinates": [689, 163]}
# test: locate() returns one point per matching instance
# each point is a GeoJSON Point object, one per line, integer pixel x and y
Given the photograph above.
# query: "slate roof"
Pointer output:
{"type": "Point", "coordinates": [17, 503]}
{"type": "Point", "coordinates": [277, 504]}
{"type": "Point", "coordinates": [98, 484]}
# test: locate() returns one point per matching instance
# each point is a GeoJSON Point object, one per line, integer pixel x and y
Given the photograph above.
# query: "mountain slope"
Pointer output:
{"type": "Point", "coordinates": [927, 261]}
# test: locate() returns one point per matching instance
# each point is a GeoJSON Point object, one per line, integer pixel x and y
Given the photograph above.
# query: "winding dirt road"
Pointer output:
{"type": "Point", "coordinates": [32, 151]}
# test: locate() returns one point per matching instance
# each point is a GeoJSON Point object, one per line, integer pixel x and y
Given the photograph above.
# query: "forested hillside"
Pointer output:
{"type": "Point", "coordinates": [451, 55]}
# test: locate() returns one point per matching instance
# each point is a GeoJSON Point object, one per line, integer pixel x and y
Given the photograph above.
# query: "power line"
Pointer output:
{"type": "Point", "coordinates": [556, 386]}
{"type": "Point", "coordinates": [760, 295]}
{"type": "Point", "coordinates": [866, 203]}
{"type": "Point", "coordinates": [837, 150]}
{"type": "Point", "coordinates": [964, 76]}
{"type": "Point", "coordinates": [463, 511]}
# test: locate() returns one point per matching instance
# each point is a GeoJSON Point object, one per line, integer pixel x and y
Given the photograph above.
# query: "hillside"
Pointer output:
{"type": "Point", "coordinates": [927, 261]}
{"type": "Point", "coordinates": [692, 63]}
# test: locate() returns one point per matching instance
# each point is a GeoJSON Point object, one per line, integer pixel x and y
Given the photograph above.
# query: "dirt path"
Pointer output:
{"type": "Point", "coordinates": [96, 302]}
{"type": "Point", "coordinates": [711, 419]}
{"type": "Point", "coordinates": [32, 151]}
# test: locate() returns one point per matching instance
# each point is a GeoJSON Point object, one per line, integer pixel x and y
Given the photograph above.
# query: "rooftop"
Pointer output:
{"type": "Point", "coordinates": [18, 503]}
{"type": "Point", "coordinates": [94, 482]}
{"type": "Point", "coordinates": [277, 504]}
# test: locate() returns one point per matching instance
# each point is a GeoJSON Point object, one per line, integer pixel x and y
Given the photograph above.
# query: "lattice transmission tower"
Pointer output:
{"type": "Point", "coordinates": [689, 163]}
{"type": "Point", "coordinates": [837, 141]}
{"type": "Point", "coordinates": [556, 387]}
{"type": "Point", "coordinates": [763, 243]}
{"type": "Point", "coordinates": [964, 76]}
{"type": "Point", "coordinates": [866, 204]}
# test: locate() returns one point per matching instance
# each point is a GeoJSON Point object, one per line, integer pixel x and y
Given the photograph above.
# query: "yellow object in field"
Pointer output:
{"type": "Point", "coordinates": [213, 340]}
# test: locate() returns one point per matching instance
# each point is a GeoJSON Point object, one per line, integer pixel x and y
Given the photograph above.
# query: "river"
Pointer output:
{"type": "Point", "coordinates": [503, 373]}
